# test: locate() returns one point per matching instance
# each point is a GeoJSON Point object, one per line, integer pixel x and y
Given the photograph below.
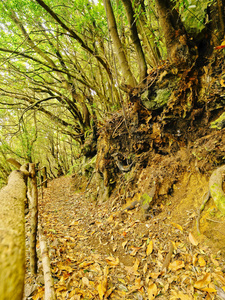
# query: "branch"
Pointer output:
{"type": "Point", "coordinates": [75, 36]}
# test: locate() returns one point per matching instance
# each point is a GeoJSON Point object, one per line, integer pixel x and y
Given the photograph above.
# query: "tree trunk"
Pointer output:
{"type": "Point", "coordinates": [135, 39]}
{"type": "Point", "coordinates": [153, 55]}
{"type": "Point", "coordinates": [127, 74]}
{"type": "Point", "coordinates": [12, 237]}
{"type": "Point", "coordinates": [174, 32]}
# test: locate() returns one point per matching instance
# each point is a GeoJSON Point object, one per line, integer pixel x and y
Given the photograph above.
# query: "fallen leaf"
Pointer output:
{"type": "Point", "coordinates": [192, 239]}
{"type": "Point", "coordinates": [214, 261]}
{"type": "Point", "coordinates": [102, 286]}
{"type": "Point", "coordinates": [202, 283]}
{"type": "Point", "coordinates": [177, 226]}
{"type": "Point", "coordinates": [181, 296]}
{"type": "Point", "coordinates": [112, 261]}
{"type": "Point", "coordinates": [152, 291]}
{"type": "Point", "coordinates": [136, 264]}
{"type": "Point", "coordinates": [85, 281]}
{"type": "Point", "coordinates": [74, 223]}
{"type": "Point", "coordinates": [124, 244]}
{"type": "Point", "coordinates": [155, 275]}
{"type": "Point", "coordinates": [201, 261]}
{"type": "Point", "coordinates": [195, 259]}
{"type": "Point", "coordinates": [135, 250]}
{"type": "Point", "coordinates": [176, 265]}
{"type": "Point", "coordinates": [149, 248]}
{"type": "Point", "coordinates": [145, 268]}
{"type": "Point", "coordinates": [85, 264]}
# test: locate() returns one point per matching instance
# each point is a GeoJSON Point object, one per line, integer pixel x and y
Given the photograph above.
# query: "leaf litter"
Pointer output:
{"type": "Point", "coordinates": [96, 254]}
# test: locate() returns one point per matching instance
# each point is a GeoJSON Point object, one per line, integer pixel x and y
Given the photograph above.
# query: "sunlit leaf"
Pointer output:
{"type": "Point", "coordinates": [149, 248]}
{"type": "Point", "coordinates": [152, 291]}
{"type": "Point", "coordinates": [192, 239]}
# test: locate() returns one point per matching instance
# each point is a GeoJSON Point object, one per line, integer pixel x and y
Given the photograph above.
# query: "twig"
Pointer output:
{"type": "Point", "coordinates": [168, 258]}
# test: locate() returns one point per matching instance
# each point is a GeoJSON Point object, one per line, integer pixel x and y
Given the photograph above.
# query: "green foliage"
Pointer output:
{"type": "Point", "coordinates": [194, 14]}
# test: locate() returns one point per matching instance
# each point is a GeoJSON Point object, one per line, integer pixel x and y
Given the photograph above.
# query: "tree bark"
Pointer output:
{"type": "Point", "coordinates": [135, 39]}
{"type": "Point", "coordinates": [174, 32]}
{"type": "Point", "coordinates": [127, 74]}
{"type": "Point", "coordinates": [12, 237]}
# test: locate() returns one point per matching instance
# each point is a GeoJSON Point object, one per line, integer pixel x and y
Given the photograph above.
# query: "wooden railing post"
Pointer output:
{"type": "Point", "coordinates": [12, 235]}
{"type": "Point", "coordinates": [33, 219]}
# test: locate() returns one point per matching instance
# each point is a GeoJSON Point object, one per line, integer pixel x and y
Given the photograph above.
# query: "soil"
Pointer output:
{"type": "Point", "coordinates": [100, 250]}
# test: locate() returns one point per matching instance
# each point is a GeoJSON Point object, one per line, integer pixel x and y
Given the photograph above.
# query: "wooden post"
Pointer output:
{"type": "Point", "coordinates": [34, 219]}
{"type": "Point", "coordinates": [12, 236]}
{"type": "Point", "coordinates": [44, 174]}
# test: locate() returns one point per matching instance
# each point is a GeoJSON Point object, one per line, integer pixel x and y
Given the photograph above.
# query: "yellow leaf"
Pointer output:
{"type": "Point", "coordinates": [155, 275]}
{"type": "Point", "coordinates": [214, 261]}
{"type": "Point", "coordinates": [124, 244]}
{"type": "Point", "coordinates": [136, 264]}
{"type": "Point", "coordinates": [85, 281]}
{"type": "Point", "coordinates": [202, 283]}
{"type": "Point", "coordinates": [201, 261]}
{"type": "Point", "coordinates": [145, 268]}
{"type": "Point", "coordinates": [85, 264]}
{"type": "Point", "coordinates": [152, 291]}
{"type": "Point", "coordinates": [209, 290]}
{"type": "Point", "coordinates": [192, 239]}
{"type": "Point", "coordinates": [112, 261]}
{"type": "Point", "coordinates": [102, 287]}
{"type": "Point", "coordinates": [39, 294]}
{"type": "Point", "coordinates": [74, 223]}
{"type": "Point", "coordinates": [135, 250]}
{"type": "Point", "coordinates": [149, 248]}
{"type": "Point", "coordinates": [195, 259]}
{"type": "Point", "coordinates": [177, 226]}
{"type": "Point", "coordinates": [182, 296]}
{"type": "Point", "coordinates": [176, 265]}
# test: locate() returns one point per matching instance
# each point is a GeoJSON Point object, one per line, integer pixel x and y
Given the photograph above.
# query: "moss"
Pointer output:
{"type": "Point", "coordinates": [146, 199]}
{"type": "Point", "coordinates": [219, 123]}
{"type": "Point", "coordinates": [161, 99]}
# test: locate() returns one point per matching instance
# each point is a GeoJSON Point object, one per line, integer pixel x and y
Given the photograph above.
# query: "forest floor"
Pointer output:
{"type": "Point", "coordinates": [98, 251]}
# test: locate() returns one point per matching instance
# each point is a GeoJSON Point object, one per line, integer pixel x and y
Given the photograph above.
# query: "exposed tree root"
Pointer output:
{"type": "Point", "coordinates": [205, 200]}
{"type": "Point", "coordinates": [216, 190]}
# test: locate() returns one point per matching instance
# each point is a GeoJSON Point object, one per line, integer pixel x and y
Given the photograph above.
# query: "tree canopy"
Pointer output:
{"type": "Point", "coordinates": [66, 66]}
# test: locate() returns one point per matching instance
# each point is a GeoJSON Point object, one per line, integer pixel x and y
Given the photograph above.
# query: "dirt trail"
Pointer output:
{"type": "Point", "coordinates": [97, 253]}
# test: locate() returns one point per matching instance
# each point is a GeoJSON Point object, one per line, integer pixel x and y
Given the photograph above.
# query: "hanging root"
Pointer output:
{"type": "Point", "coordinates": [205, 200]}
